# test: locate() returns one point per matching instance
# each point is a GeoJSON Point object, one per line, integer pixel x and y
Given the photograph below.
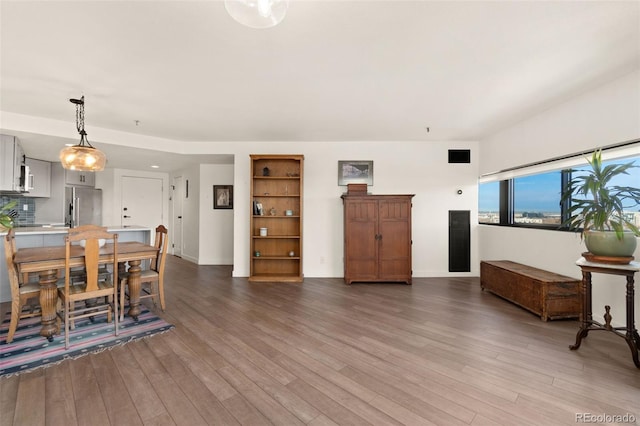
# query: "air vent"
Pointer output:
{"type": "Point", "coordinates": [459, 156]}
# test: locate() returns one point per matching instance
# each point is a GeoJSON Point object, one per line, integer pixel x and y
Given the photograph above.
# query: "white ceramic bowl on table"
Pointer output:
{"type": "Point", "coordinates": [101, 242]}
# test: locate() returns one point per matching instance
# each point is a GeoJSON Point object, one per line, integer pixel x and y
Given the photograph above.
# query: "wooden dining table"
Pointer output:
{"type": "Point", "coordinates": [47, 261]}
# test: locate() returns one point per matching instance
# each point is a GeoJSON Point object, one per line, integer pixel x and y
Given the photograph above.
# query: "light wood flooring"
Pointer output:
{"type": "Point", "coordinates": [438, 352]}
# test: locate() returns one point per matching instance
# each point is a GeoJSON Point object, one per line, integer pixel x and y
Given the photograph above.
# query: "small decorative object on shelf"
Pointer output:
{"type": "Point", "coordinates": [257, 209]}
{"type": "Point", "coordinates": [256, 254]}
{"type": "Point", "coordinates": [277, 184]}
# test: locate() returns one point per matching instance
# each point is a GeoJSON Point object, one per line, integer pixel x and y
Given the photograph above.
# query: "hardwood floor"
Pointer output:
{"type": "Point", "coordinates": [438, 352]}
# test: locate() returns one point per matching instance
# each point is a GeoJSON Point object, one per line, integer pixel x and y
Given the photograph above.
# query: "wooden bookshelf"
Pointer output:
{"type": "Point", "coordinates": [277, 186]}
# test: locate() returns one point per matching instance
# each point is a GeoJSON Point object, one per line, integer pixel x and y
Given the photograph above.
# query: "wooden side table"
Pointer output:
{"type": "Point", "coordinates": [630, 334]}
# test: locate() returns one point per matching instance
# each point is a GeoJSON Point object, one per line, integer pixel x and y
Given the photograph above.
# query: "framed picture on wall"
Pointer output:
{"type": "Point", "coordinates": [355, 172]}
{"type": "Point", "coordinates": [222, 196]}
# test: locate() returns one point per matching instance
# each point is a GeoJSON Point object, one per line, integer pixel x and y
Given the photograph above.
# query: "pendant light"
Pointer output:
{"type": "Point", "coordinates": [257, 13]}
{"type": "Point", "coordinates": [83, 156]}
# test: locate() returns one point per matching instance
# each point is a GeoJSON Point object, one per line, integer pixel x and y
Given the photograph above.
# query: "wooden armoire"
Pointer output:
{"type": "Point", "coordinates": [377, 238]}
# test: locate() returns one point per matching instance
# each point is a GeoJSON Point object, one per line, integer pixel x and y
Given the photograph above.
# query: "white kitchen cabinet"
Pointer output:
{"type": "Point", "coordinates": [77, 178]}
{"type": "Point", "coordinates": [39, 179]}
{"type": "Point", "coordinates": [12, 168]}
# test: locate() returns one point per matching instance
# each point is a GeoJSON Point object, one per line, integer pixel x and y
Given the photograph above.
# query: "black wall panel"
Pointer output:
{"type": "Point", "coordinates": [459, 241]}
{"type": "Point", "coordinates": [459, 156]}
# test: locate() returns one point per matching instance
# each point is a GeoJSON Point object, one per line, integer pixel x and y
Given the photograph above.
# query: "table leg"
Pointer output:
{"type": "Point", "coordinates": [133, 281]}
{"type": "Point", "coordinates": [48, 303]}
{"type": "Point", "coordinates": [632, 334]}
{"type": "Point", "coordinates": [587, 315]}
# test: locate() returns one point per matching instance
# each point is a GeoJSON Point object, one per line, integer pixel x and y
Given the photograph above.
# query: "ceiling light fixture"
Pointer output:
{"type": "Point", "coordinates": [257, 13]}
{"type": "Point", "coordinates": [83, 156]}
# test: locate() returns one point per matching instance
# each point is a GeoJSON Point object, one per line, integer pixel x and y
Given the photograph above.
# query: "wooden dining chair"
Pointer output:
{"type": "Point", "coordinates": [152, 279]}
{"type": "Point", "coordinates": [104, 292]}
{"type": "Point", "coordinates": [79, 275]}
{"type": "Point", "coordinates": [21, 293]}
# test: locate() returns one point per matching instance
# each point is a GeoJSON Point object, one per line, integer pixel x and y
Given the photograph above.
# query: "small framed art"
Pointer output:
{"type": "Point", "coordinates": [355, 172]}
{"type": "Point", "coordinates": [222, 196]}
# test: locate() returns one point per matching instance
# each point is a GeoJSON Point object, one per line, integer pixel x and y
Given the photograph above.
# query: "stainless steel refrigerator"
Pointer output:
{"type": "Point", "coordinates": [83, 206]}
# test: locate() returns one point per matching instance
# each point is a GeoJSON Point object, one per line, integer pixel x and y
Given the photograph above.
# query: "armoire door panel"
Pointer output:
{"type": "Point", "coordinates": [363, 212]}
{"type": "Point", "coordinates": [394, 270]}
{"type": "Point", "coordinates": [394, 210]}
{"type": "Point", "coordinates": [365, 245]}
{"type": "Point", "coordinates": [393, 239]}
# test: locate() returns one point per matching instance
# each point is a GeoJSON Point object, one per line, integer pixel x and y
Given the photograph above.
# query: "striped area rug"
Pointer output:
{"type": "Point", "coordinates": [30, 351]}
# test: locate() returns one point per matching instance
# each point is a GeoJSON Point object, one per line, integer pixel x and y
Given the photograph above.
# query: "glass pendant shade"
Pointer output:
{"type": "Point", "coordinates": [83, 157]}
{"type": "Point", "coordinates": [257, 13]}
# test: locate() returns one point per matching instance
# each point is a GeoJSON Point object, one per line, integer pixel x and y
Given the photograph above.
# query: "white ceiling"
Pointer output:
{"type": "Point", "coordinates": [331, 71]}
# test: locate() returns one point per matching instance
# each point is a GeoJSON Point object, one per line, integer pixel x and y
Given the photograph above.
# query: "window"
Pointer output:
{"type": "Point", "coordinates": [533, 200]}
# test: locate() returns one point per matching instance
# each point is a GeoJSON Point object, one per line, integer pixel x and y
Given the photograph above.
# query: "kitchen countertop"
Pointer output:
{"type": "Point", "coordinates": [35, 230]}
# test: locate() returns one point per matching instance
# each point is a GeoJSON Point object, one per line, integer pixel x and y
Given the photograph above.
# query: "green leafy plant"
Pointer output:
{"type": "Point", "coordinates": [6, 218]}
{"type": "Point", "coordinates": [597, 205]}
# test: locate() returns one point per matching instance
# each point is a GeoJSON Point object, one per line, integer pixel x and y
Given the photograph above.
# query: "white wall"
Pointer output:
{"type": "Point", "coordinates": [419, 168]}
{"type": "Point", "coordinates": [601, 117]}
{"type": "Point", "coordinates": [216, 225]}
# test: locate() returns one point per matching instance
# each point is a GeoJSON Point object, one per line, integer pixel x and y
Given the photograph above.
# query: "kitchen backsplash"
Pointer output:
{"type": "Point", "coordinates": [24, 215]}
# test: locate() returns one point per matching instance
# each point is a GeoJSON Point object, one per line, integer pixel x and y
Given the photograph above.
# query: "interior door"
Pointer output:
{"type": "Point", "coordinates": [142, 201]}
{"type": "Point", "coordinates": [177, 198]}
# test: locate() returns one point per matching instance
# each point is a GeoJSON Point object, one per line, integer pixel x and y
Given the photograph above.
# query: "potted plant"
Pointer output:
{"type": "Point", "coordinates": [597, 208]}
{"type": "Point", "coordinates": [7, 215]}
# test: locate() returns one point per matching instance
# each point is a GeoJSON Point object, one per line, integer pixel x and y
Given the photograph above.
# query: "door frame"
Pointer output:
{"type": "Point", "coordinates": [177, 205]}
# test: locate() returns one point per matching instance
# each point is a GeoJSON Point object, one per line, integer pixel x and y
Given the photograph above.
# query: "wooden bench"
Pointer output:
{"type": "Point", "coordinates": [544, 293]}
